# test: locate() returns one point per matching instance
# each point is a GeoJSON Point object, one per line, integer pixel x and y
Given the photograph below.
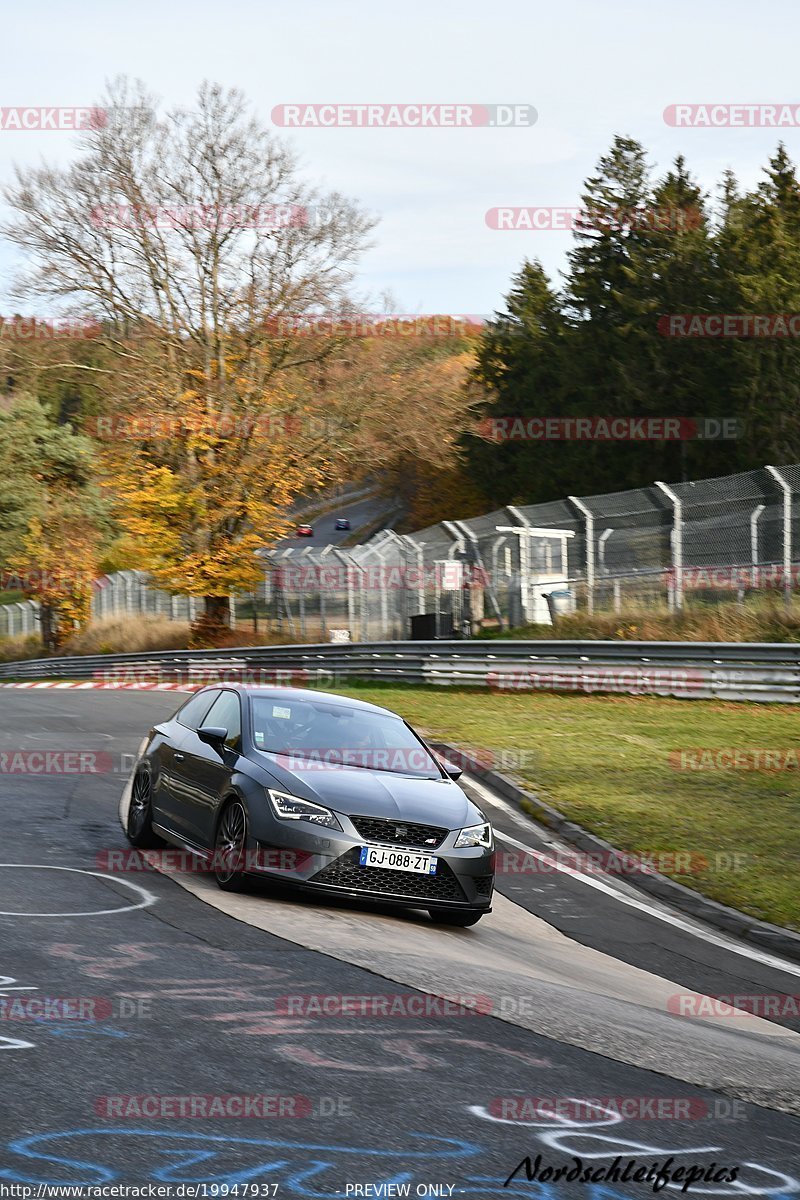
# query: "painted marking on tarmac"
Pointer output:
{"type": "Point", "coordinates": [146, 898]}
{"type": "Point", "coordinates": [130, 687]}
{"type": "Point", "coordinates": [114, 687]}
{"type": "Point", "coordinates": [755, 955]}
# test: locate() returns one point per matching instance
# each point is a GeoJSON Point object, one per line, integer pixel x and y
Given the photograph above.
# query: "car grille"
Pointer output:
{"type": "Point", "coordinates": [346, 872]}
{"type": "Point", "coordinates": [377, 829]}
{"type": "Point", "coordinates": [484, 884]}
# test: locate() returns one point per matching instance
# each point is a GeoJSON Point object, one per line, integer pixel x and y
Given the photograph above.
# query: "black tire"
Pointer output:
{"type": "Point", "coordinates": [139, 822]}
{"type": "Point", "coordinates": [462, 918]}
{"type": "Point", "coordinates": [230, 848]}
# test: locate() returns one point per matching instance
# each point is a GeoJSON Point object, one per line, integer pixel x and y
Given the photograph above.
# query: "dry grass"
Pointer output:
{"type": "Point", "coordinates": [128, 635]}
{"type": "Point", "coordinates": [612, 763]}
{"type": "Point", "coordinates": [27, 645]}
{"type": "Point", "coordinates": [134, 634]}
{"type": "Point", "coordinates": [761, 619]}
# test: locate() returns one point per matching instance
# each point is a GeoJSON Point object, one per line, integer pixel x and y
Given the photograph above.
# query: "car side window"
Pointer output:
{"type": "Point", "coordinates": [192, 715]}
{"type": "Point", "coordinates": [226, 711]}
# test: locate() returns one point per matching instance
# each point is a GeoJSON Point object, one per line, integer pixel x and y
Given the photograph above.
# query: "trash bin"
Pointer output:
{"type": "Point", "coordinates": [560, 603]}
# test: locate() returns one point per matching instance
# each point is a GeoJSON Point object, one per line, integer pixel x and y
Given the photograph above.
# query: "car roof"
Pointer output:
{"type": "Point", "coordinates": [290, 693]}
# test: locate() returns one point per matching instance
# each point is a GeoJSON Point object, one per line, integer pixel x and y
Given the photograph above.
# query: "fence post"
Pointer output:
{"type": "Point", "coordinates": [499, 544]}
{"type": "Point", "coordinates": [323, 620]}
{"type": "Point", "coordinates": [787, 533]}
{"type": "Point", "coordinates": [488, 582]}
{"type": "Point", "coordinates": [383, 593]}
{"type": "Point", "coordinates": [301, 607]}
{"type": "Point", "coordinates": [401, 609]}
{"type": "Point", "coordinates": [524, 561]}
{"type": "Point", "coordinates": [676, 539]}
{"type": "Point", "coordinates": [589, 538]}
{"type": "Point", "coordinates": [351, 600]}
{"type": "Point", "coordinates": [458, 548]}
{"type": "Point", "coordinates": [421, 573]}
{"type": "Point", "coordinates": [755, 557]}
{"type": "Point", "coordinates": [601, 563]}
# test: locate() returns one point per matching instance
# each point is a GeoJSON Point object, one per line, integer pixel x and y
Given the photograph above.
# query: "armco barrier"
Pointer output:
{"type": "Point", "coordinates": [688, 670]}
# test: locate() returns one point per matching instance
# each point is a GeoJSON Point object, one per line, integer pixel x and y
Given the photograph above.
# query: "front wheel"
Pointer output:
{"type": "Point", "coordinates": [443, 916]}
{"type": "Point", "coordinates": [139, 823]}
{"type": "Point", "coordinates": [230, 847]}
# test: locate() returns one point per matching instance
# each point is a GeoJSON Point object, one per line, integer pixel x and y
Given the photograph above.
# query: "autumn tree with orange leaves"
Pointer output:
{"type": "Point", "coordinates": [182, 238]}
{"type": "Point", "coordinates": [53, 519]}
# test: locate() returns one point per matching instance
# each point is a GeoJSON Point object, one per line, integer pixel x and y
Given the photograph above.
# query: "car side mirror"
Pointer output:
{"type": "Point", "coordinates": [452, 771]}
{"type": "Point", "coordinates": [213, 735]}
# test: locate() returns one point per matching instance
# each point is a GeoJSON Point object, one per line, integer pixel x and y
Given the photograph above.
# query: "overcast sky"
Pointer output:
{"type": "Point", "coordinates": [591, 69]}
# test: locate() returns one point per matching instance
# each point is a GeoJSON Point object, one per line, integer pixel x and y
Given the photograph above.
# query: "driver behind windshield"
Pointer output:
{"type": "Point", "coordinates": [339, 736]}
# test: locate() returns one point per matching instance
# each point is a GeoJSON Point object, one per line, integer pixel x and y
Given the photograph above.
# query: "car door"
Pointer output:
{"type": "Point", "coordinates": [205, 770]}
{"type": "Point", "coordinates": [170, 801]}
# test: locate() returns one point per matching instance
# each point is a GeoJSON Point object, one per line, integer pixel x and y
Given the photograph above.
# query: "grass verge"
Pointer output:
{"type": "Point", "coordinates": [605, 762]}
{"type": "Point", "coordinates": [761, 618]}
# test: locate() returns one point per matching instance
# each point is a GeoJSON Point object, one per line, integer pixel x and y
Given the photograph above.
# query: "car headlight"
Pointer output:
{"type": "Point", "coordinates": [475, 835]}
{"type": "Point", "coordinates": [292, 808]}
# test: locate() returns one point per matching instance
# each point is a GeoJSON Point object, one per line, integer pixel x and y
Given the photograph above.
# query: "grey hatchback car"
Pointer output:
{"type": "Point", "coordinates": [320, 791]}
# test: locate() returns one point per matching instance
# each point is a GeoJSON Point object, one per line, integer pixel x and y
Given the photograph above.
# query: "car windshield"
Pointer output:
{"type": "Point", "coordinates": [307, 733]}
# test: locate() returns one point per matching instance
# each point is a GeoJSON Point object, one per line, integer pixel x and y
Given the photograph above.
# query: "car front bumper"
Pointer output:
{"type": "Point", "coordinates": [328, 860]}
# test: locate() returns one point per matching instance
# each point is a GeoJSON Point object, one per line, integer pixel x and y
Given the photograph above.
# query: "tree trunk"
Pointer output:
{"type": "Point", "coordinates": [218, 610]}
{"type": "Point", "coordinates": [47, 619]}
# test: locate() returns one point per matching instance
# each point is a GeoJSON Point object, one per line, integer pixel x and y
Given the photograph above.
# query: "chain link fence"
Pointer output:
{"type": "Point", "coordinates": [664, 546]}
{"type": "Point", "coordinates": [125, 593]}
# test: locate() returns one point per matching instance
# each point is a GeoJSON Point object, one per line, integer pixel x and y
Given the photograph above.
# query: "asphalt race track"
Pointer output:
{"type": "Point", "coordinates": [185, 992]}
{"type": "Point", "coordinates": [362, 513]}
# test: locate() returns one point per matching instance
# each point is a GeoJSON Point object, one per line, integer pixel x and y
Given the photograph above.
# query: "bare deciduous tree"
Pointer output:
{"type": "Point", "coordinates": [194, 226]}
{"type": "Point", "coordinates": [191, 237]}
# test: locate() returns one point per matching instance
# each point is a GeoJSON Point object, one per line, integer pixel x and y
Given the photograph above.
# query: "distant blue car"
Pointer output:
{"type": "Point", "coordinates": [342, 523]}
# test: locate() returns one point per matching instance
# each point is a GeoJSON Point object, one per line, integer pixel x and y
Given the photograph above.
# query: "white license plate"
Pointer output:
{"type": "Point", "coordinates": [393, 859]}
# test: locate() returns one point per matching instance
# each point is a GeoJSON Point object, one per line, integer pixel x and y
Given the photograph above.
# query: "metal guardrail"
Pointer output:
{"type": "Point", "coordinates": [696, 670]}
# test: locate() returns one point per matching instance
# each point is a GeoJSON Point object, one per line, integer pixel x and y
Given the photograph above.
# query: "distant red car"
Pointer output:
{"type": "Point", "coordinates": [304, 531]}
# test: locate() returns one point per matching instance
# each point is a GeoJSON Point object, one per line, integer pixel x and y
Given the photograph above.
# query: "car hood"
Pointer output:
{"type": "Point", "coordinates": [360, 792]}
